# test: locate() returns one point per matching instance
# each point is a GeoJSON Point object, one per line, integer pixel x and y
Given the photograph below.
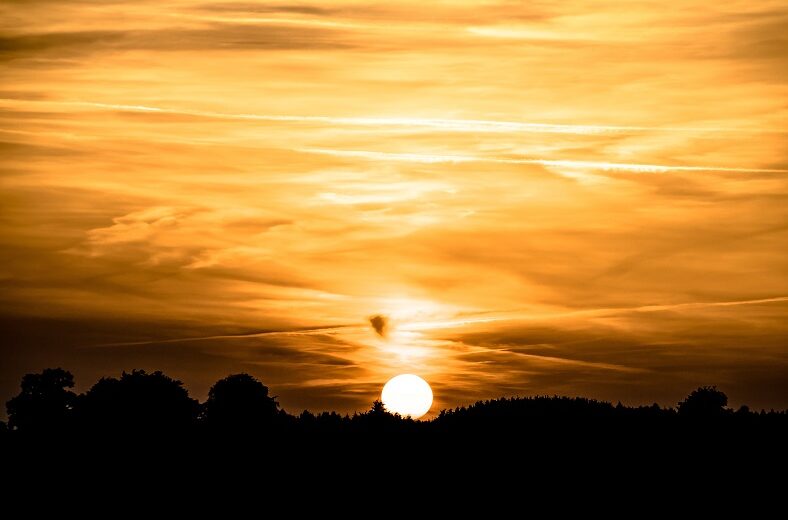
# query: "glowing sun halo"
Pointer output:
{"type": "Point", "coordinates": [407, 395]}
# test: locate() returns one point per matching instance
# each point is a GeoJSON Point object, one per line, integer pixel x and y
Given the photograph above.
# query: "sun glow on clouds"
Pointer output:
{"type": "Point", "coordinates": [593, 165]}
{"type": "Point", "coordinates": [539, 199]}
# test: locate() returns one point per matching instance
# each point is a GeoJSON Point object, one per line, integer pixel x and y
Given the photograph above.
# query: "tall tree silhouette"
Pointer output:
{"type": "Point", "coordinates": [240, 402]}
{"type": "Point", "coordinates": [138, 402]}
{"type": "Point", "coordinates": [378, 408]}
{"type": "Point", "coordinates": [45, 403]}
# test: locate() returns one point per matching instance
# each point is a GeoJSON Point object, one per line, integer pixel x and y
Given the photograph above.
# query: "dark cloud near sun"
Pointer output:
{"type": "Point", "coordinates": [380, 324]}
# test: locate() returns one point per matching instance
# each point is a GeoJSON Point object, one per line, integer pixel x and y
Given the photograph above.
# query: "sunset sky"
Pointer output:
{"type": "Point", "coordinates": [547, 197]}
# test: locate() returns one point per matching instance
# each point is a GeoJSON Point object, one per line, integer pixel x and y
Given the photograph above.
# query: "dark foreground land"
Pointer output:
{"type": "Point", "coordinates": [146, 425]}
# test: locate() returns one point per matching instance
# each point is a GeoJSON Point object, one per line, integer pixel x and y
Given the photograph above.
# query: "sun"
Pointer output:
{"type": "Point", "coordinates": [407, 395]}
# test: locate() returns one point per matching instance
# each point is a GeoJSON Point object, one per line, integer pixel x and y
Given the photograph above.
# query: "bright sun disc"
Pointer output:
{"type": "Point", "coordinates": [407, 395]}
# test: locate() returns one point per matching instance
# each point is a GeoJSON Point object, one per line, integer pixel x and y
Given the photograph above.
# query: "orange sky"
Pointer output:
{"type": "Point", "coordinates": [543, 197]}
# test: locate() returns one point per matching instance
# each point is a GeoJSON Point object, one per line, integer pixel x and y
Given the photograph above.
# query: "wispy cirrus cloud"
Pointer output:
{"type": "Point", "coordinates": [221, 36]}
{"type": "Point", "coordinates": [594, 165]}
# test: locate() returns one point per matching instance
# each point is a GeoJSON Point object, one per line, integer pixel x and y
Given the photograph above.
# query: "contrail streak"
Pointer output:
{"type": "Point", "coordinates": [529, 315]}
{"type": "Point", "coordinates": [691, 305]}
{"type": "Point", "coordinates": [448, 125]}
{"type": "Point", "coordinates": [292, 332]}
{"type": "Point", "coordinates": [664, 307]}
{"type": "Point", "coordinates": [587, 165]}
{"type": "Point", "coordinates": [569, 361]}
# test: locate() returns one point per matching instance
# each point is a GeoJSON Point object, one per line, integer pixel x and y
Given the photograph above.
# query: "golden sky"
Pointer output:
{"type": "Point", "coordinates": [541, 197]}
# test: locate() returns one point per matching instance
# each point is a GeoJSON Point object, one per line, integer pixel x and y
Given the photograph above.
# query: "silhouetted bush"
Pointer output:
{"type": "Point", "coordinates": [45, 404]}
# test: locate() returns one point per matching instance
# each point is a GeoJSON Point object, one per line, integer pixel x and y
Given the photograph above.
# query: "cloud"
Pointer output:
{"type": "Point", "coordinates": [380, 324]}
{"type": "Point", "coordinates": [626, 355]}
{"type": "Point", "coordinates": [244, 7]}
{"type": "Point", "coordinates": [411, 123]}
{"type": "Point", "coordinates": [220, 36]}
{"type": "Point", "coordinates": [226, 187]}
{"type": "Point", "coordinates": [551, 163]}
{"type": "Point", "coordinates": [12, 47]}
{"type": "Point", "coordinates": [407, 124]}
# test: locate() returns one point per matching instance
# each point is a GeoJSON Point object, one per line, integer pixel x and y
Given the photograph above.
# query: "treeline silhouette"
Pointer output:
{"type": "Point", "coordinates": [142, 435]}
{"type": "Point", "coordinates": [152, 405]}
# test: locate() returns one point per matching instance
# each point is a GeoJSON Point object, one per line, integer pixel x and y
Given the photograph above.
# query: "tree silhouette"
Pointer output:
{"type": "Point", "coordinates": [705, 402]}
{"type": "Point", "coordinates": [377, 420]}
{"type": "Point", "coordinates": [138, 402]}
{"type": "Point", "coordinates": [240, 402]}
{"type": "Point", "coordinates": [378, 408]}
{"type": "Point", "coordinates": [44, 404]}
